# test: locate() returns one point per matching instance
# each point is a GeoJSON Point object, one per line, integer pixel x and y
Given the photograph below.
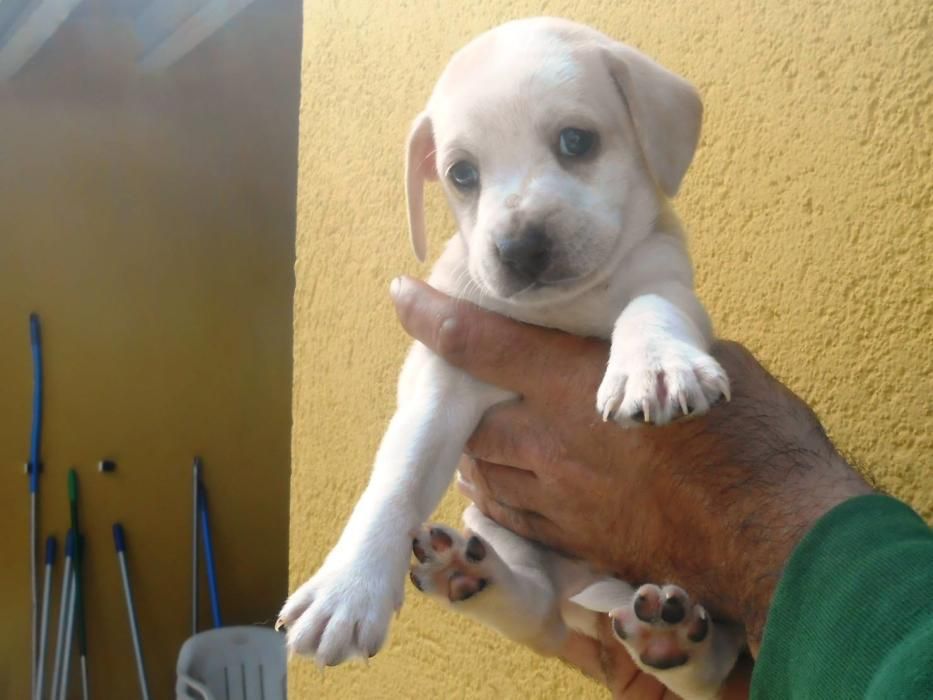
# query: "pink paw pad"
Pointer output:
{"type": "Point", "coordinates": [661, 625]}
{"type": "Point", "coordinates": [449, 565]}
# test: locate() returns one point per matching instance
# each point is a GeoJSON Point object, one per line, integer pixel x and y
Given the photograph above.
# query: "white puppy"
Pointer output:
{"type": "Point", "coordinates": [558, 149]}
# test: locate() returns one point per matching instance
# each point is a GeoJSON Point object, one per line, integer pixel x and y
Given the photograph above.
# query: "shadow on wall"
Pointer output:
{"type": "Point", "coordinates": [149, 219]}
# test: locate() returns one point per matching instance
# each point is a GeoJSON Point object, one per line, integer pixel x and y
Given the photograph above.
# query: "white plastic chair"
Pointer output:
{"type": "Point", "coordinates": [232, 663]}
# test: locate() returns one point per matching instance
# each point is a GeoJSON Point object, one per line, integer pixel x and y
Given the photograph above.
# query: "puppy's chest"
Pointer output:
{"type": "Point", "coordinates": [590, 315]}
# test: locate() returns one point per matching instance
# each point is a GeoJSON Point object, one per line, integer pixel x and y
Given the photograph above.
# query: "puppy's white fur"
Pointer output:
{"type": "Point", "coordinates": [618, 268]}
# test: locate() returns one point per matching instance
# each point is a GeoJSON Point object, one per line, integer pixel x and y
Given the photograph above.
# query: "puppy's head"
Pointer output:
{"type": "Point", "coordinates": [555, 146]}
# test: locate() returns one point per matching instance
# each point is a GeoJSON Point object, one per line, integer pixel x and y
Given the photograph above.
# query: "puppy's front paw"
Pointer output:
{"type": "Point", "coordinates": [659, 381]}
{"type": "Point", "coordinates": [340, 613]}
{"type": "Point", "coordinates": [661, 627]}
{"type": "Point", "coordinates": [451, 566]}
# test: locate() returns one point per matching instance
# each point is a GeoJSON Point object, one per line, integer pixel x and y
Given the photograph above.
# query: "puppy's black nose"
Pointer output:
{"type": "Point", "coordinates": [528, 253]}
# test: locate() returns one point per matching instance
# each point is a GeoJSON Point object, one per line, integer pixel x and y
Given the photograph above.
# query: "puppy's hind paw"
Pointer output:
{"type": "Point", "coordinates": [450, 566]}
{"type": "Point", "coordinates": [661, 627]}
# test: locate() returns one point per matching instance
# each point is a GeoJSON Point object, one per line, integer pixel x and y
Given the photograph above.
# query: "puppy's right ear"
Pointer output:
{"type": "Point", "coordinates": [420, 165]}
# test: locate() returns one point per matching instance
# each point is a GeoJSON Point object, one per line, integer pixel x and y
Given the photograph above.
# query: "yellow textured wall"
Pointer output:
{"type": "Point", "coordinates": [150, 221]}
{"type": "Point", "coordinates": [810, 206]}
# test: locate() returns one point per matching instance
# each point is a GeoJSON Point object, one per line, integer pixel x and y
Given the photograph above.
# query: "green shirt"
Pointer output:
{"type": "Point", "coordinates": [852, 616]}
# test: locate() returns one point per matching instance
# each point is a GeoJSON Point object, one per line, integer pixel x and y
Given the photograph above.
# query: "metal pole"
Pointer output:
{"type": "Point", "coordinates": [50, 547]}
{"type": "Point", "coordinates": [84, 686]}
{"type": "Point", "coordinates": [69, 637]}
{"type": "Point", "coordinates": [62, 614]}
{"type": "Point", "coordinates": [120, 543]}
{"type": "Point", "coordinates": [33, 577]}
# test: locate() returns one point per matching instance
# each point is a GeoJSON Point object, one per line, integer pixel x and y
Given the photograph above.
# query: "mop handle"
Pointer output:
{"type": "Point", "coordinates": [51, 545]}
{"type": "Point", "coordinates": [78, 560]}
{"type": "Point", "coordinates": [120, 544]}
{"type": "Point", "coordinates": [62, 614]}
{"type": "Point", "coordinates": [209, 557]}
{"type": "Point", "coordinates": [51, 549]}
{"type": "Point", "coordinates": [73, 495]}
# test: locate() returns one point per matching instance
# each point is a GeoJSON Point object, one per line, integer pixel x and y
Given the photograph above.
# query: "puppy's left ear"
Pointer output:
{"type": "Point", "coordinates": [666, 111]}
{"type": "Point", "coordinates": [419, 166]}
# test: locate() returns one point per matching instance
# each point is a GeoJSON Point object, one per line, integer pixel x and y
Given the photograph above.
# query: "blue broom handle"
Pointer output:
{"type": "Point", "coordinates": [209, 556]}
{"type": "Point", "coordinates": [35, 338]}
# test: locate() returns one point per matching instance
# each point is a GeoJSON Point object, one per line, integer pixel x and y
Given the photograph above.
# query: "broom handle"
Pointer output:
{"type": "Point", "coordinates": [35, 340]}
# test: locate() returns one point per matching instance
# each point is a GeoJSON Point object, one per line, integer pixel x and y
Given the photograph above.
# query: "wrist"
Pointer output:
{"type": "Point", "coordinates": [770, 535]}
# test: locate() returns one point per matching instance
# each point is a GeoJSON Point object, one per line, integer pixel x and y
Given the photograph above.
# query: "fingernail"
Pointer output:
{"type": "Point", "coordinates": [466, 488]}
{"type": "Point", "coordinates": [395, 287]}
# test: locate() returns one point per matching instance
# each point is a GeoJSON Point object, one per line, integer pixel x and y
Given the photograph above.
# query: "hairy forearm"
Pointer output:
{"type": "Point", "coordinates": [770, 476]}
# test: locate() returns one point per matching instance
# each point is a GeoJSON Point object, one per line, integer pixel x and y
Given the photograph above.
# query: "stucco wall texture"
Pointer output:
{"type": "Point", "coordinates": [810, 208]}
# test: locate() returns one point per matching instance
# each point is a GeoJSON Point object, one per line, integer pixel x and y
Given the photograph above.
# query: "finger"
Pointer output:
{"type": "Point", "coordinates": [512, 434]}
{"type": "Point", "coordinates": [583, 652]}
{"type": "Point", "coordinates": [515, 488]}
{"type": "Point", "coordinates": [739, 683]}
{"type": "Point", "coordinates": [617, 666]}
{"type": "Point", "coordinates": [466, 470]}
{"type": "Point", "coordinates": [525, 523]}
{"type": "Point", "coordinates": [526, 359]}
{"type": "Point", "coordinates": [746, 374]}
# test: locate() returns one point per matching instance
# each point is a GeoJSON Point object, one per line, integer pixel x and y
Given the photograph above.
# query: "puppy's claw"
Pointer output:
{"type": "Point", "coordinates": [723, 385]}
{"type": "Point", "coordinates": [648, 383]}
{"type": "Point", "coordinates": [280, 625]}
{"type": "Point", "coordinates": [608, 410]}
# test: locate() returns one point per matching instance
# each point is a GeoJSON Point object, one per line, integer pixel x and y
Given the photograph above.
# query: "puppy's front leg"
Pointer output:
{"type": "Point", "coordinates": [344, 609]}
{"type": "Point", "coordinates": [659, 365]}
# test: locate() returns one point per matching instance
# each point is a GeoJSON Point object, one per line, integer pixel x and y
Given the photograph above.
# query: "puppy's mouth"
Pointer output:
{"type": "Point", "coordinates": [516, 289]}
{"type": "Point", "coordinates": [556, 283]}
{"type": "Point", "coordinates": [539, 284]}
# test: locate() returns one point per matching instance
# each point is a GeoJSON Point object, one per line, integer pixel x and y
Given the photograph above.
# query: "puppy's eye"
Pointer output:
{"type": "Point", "coordinates": [464, 175]}
{"type": "Point", "coordinates": [575, 142]}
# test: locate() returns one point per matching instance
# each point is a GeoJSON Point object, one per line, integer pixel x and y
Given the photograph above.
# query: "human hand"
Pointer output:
{"type": "Point", "coordinates": [606, 661]}
{"type": "Point", "coordinates": [715, 503]}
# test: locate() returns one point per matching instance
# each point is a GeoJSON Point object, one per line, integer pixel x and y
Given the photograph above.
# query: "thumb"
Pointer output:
{"type": "Point", "coordinates": [494, 348]}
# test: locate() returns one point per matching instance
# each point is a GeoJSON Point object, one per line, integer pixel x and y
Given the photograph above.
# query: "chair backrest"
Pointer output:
{"type": "Point", "coordinates": [232, 663]}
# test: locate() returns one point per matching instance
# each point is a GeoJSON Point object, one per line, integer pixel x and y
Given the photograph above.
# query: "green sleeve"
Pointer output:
{"type": "Point", "coordinates": [852, 616]}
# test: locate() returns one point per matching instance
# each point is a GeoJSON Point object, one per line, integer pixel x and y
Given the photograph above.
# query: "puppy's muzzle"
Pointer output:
{"type": "Point", "coordinates": [527, 253]}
